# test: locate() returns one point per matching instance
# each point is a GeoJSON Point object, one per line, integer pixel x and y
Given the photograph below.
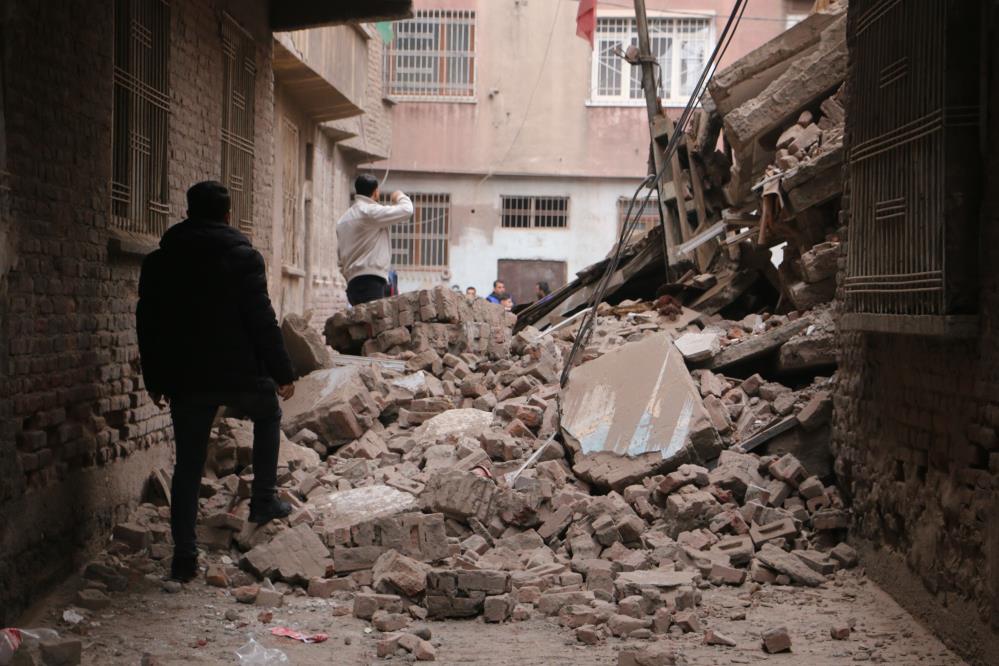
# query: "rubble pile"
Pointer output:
{"type": "Point", "coordinates": [439, 470]}
{"type": "Point", "coordinates": [445, 488]}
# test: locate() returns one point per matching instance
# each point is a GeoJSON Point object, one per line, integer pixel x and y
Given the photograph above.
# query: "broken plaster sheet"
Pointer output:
{"type": "Point", "coordinates": [345, 508]}
{"type": "Point", "coordinates": [637, 399]}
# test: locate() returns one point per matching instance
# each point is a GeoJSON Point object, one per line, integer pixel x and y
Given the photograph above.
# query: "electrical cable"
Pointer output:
{"type": "Point", "coordinates": [651, 182]}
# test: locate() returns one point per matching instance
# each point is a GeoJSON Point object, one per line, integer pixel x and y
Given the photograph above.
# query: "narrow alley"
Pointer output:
{"type": "Point", "coordinates": [634, 332]}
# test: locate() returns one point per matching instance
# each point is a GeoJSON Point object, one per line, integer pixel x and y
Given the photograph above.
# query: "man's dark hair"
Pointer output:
{"type": "Point", "coordinates": [545, 289]}
{"type": "Point", "coordinates": [208, 200]}
{"type": "Point", "coordinates": [365, 184]}
{"type": "Point", "coordinates": [497, 282]}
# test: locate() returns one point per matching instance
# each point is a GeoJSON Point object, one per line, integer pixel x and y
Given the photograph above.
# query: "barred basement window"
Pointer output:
{"type": "Point", "coordinates": [239, 73]}
{"type": "Point", "coordinates": [525, 212]}
{"type": "Point", "coordinates": [644, 223]}
{"type": "Point", "coordinates": [421, 242]}
{"type": "Point", "coordinates": [432, 56]}
{"type": "Point", "coordinates": [680, 46]}
{"type": "Point", "coordinates": [139, 187]}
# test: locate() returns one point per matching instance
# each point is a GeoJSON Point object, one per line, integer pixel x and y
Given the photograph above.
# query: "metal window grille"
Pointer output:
{"type": "Point", "coordinates": [422, 240]}
{"type": "Point", "coordinates": [141, 111]}
{"type": "Point", "coordinates": [238, 81]}
{"type": "Point", "coordinates": [680, 46]}
{"type": "Point", "coordinates": [913, 118]}
{"type": "Point", "coordinates": [291, 194]}
{"type": "Point", "coordinates": [641, 225]}
{"type": "Point", "coordinates": [432, 56]}
{"type": "Point", "coordinates": [525, 212]}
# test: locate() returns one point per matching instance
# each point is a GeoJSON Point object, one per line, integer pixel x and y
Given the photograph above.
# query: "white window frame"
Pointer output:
{"type": "Point", "coordinates": [450, 20]}
{"type": "Point", "coordinates": [673, 97]}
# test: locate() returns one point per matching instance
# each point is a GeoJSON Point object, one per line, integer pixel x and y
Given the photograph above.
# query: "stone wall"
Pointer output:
{"type": "Point", "coordinates": [916, 422]}
{"type": "Point", "coordinates": [79, 435]}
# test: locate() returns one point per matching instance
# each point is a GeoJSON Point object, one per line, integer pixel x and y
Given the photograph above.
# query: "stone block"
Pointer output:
{"type": "Point", "coordinates": [294, 555]}
{"type": "Point", "coordinates": [400, 574]}
{"type": "Point", "coordinates": [306, 348]}
{"type": "Point", "coordinates": [776, 640]}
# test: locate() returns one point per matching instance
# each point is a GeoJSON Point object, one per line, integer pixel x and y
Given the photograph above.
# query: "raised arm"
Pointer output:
{"type": "Point", "coordinates": [385, 216]}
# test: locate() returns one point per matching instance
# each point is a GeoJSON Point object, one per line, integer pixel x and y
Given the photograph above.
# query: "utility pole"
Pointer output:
{"type": "Point", "coordinates": [672, 229]}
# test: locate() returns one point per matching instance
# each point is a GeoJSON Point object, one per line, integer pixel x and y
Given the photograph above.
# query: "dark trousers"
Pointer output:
{"type": "Point", "coordinates": [193, 415]}
{"type": "Point", "coordinates": [366, 288]}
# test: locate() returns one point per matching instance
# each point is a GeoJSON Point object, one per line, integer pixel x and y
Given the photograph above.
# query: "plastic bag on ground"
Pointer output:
{"type": "Point", "coordinates": [255, 654]}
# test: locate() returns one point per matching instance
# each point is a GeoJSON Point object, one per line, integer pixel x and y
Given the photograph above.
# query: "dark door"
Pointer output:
{"type": "Point", "coordinates": [521, 275]}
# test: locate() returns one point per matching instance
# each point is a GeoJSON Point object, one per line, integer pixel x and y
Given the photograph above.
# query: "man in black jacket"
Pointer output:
{"type": "Point", "coordinates": [208, 337]}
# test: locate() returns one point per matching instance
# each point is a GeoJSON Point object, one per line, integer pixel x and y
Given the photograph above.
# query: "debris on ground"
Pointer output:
{"type": "Point", "coordinates": [439, 469]}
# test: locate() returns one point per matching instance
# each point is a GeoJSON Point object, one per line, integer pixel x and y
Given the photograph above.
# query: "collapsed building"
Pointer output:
{"type": "Point", "coordinates": [440, 467]}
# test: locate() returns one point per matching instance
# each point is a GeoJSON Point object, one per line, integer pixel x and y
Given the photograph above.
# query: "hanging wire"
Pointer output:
{"type": "Point", "coordinates": [651, 182]}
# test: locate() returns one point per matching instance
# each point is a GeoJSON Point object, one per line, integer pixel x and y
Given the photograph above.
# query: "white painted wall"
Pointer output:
{"type": "Point", "coordinates": [477, 242]}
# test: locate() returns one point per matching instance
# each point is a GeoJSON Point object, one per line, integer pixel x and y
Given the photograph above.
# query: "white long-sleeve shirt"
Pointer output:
{"type": "Point", "coordinates": [363, 236]}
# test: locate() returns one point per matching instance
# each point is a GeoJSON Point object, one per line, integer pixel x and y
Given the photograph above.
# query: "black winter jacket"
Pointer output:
{"type": "Point", "coordinates": [204, 319]}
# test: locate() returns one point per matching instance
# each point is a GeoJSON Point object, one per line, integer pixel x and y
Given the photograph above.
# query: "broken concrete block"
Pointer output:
{"type": "Point", "coordinates": [697, 347]}
{"type": "Point", "coordinates": [398, 573]}
{"type": "Point", "coordinates": [385, 621]}
{"type": "Point", "coordinates": [634, 412]}
{"type": "Point", "coordinates": [821, 262]}
{"type": "Point", "coordinates": [776, 640]}
{"type": "Point", "coordinates": [497, 608]}
{"type": "Point", "coordinates": [295, 555]}
{"type": "Point", "coordinates": [788, 469]}
{"type": "Point", "coordinates": [306, 348]}
{"type": "Point", "coordinates": [59, 651]}
{"type": "Point", "coordinates": [715, 637]}
{"type": "Point", "coordinates": [845, 555]}
{"type": "Point", "coordinates": [817, 411]}
{"type": "Point", "coordinates": [269, 598]}
{"type": "Point", "coordinates": [460, 495]}
{"type": "Point", "coordinates": [786, 563]}
{"type": "Point", "coordinates": [92, 599]}
{"type": "Point", "coordinates": [367, 604]}
{"type": "Point", "coordinates": [622, 625]}
{"type": "Point", "coordinates": [654, 655]}
{"type": "Point", "coordinates": [780, 529]}
{"type": "Point", "coordinates": [839, 632]}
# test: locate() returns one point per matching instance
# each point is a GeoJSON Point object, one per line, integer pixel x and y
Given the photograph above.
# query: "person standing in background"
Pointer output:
{"type": "Point", "coordinates": [364, 246]}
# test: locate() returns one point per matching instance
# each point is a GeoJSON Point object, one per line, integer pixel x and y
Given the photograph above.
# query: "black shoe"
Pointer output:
{"type": "Point", "coordinates": [268, 510]}
{"type": "Point", "coordinates": [184, 568]}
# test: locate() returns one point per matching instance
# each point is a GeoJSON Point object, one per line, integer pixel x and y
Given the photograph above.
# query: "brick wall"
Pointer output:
{"type": "Point", "coordinates": [79, 434]}
{"type": "Point", "coordinates": [916, 423]}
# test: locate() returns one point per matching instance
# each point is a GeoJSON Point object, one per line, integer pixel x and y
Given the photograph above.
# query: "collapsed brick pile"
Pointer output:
{"type": "Point", "coordinates": [412, 497]}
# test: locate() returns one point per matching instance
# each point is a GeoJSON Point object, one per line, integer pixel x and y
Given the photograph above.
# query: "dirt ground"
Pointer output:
{"type": "Point", "coordinates": [190, 627]}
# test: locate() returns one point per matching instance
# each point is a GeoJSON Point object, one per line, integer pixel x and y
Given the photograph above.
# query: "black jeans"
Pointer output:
{"type": "Point", "coordinates": [193, 415]}
{"type": "Point", "coordinates": [366, 288]}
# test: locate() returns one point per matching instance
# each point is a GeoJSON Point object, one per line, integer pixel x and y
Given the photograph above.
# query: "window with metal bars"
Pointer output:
{"type": "Point", "coordinates": [291, 219]}
{"type": "Point", "coordinates": [239, 73]}
{"type": "Point", "coordinates": [915, 168]}
{"type": "Point", "coordinates": [432, 56]}
{"type": "Point", "coordinates": [642, 224]}
{"type": "Point", "coordinates": [680, 46]}
{"type": "Point", "coordinates": [525, 212]}
{"type": "Point", "coordinates": [422, 240]}
{"type": "Point", "coordinates": [139, 187]}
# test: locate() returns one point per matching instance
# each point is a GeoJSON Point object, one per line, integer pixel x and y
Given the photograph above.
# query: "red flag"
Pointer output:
{"type": "Point", "coordinates": [586, 20]}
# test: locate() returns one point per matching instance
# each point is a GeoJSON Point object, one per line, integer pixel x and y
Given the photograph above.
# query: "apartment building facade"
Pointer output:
{"type": "Point", "coordinates": [519, 144]}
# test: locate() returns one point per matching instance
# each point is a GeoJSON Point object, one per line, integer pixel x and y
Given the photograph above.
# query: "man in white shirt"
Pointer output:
{"type": "Point", "coordinates": [362, 233]}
